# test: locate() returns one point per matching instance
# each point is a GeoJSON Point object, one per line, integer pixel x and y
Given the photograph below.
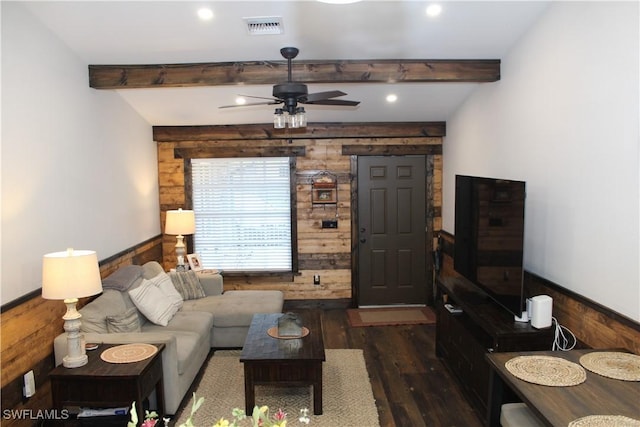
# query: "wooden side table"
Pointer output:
{"type": "Point", "coordinates": [100, 384]}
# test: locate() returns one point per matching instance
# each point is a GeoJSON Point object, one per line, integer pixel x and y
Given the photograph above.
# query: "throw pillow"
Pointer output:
{"type": "Point", "coordinates": [153, 303]}
{"type": "Point", "coordinates": [125, 322]}
{"type": "Point", "coordinates": [187, 284]}
{"type": "Point", "coordinates": [163, 281]}
{"type": "Point", "coordinates": [94, 314]}
{"type": "Point", "coordinates": [122, 279]}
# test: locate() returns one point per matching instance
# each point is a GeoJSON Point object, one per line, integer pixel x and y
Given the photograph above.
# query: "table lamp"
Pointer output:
{"type": "Point", "coordinates": [68, 276]}
{"type": "Point", "coordinates": [180, 222]}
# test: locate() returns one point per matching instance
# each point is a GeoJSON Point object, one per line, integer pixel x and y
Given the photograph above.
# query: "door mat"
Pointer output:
{"type": "Point", "coordinates": [390, 316]}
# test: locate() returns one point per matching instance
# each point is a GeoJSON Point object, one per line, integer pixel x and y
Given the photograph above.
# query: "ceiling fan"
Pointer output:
{"type": "Point", "coordinates": [291, 93]}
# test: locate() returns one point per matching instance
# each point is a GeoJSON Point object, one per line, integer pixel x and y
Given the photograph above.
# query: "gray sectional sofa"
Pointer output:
{"type": "Point", "coordinates": [202, 316]}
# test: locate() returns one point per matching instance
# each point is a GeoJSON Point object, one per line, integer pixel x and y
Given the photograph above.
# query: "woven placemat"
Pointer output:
{"type": "Point", "coordinates": [128, 353]}
{"type": "Point", "coordinates": [273, 333]}
{"type": "Point", "coordinates": [605, 421]}
{"type": "Point", "coordinates": [546, 370]}
{"type": "Point", "coordinates": [613, 364]}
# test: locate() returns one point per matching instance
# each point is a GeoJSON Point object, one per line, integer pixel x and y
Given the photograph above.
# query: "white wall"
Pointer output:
{"type": "Point", "coordinates": [79, 166]}
{"type": "Point", "coordinates": [565, 119]}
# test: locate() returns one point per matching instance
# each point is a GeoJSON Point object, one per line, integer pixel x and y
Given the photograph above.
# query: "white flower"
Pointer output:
{"type": "Point", "coordinates": [304, 416]}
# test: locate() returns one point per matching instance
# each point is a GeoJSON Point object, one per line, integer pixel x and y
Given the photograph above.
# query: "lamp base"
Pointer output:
{"type": "Point", "coordinates": [76, 354]}
{"type": "Point", "coordinates": [75, 362]}
{"type": "Point", "coordinates": [181, 250]}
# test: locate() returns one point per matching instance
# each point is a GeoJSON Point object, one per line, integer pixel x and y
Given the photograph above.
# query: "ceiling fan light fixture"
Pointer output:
{"type": "Point", "coordinates": [290, 93]}
{"type": "Point", "coordinates": [296, 119]}
{"type": "Point", "coordinates": [279, 120]}
{"type": "Point", "coordinates": [302, 117]}
{"type": "Point", "coordinates": [293, 121]}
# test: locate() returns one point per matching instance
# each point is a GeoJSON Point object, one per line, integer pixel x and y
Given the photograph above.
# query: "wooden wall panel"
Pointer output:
{"type": "Point", "coordinates": [437, 181]}
{"type": "Point", "coordinates": [594, 325]}
{"type": "Point", "coordinates": [334, 284]}
{"type": "Point", "coordinates": [324, 149]}
{"type": "Point", "coordinates": [28, 328]}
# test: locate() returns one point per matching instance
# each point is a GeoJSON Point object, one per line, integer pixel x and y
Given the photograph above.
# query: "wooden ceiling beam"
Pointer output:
{"type": "Point", "coordinates": [330, 71]}
{"type": "Point", "coordinates": [258, 132]}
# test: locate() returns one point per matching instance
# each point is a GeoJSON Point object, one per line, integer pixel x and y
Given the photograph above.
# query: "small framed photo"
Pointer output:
{"type": "Point", "coordinates": [194, 262]}
{"type": "Point", "coordinates": [324, 195]}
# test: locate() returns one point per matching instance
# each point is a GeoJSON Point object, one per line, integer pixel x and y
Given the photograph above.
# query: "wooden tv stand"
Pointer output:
{"type": "Point", "coordinates": [463, 340]}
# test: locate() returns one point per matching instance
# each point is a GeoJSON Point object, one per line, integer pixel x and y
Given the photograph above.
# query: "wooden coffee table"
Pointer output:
{"type": "Point", "coordinates": [287, 362]}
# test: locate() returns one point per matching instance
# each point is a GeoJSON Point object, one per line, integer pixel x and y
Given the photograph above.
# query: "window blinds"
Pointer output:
{"type": "Point", "coordinates": [243, 213]}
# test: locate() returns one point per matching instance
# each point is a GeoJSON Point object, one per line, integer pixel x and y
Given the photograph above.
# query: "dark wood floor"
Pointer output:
{"type": "Point", "coordinates": [410, 384]}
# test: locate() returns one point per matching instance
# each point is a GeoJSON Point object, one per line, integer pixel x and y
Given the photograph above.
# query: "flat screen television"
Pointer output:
{"type": "Point", "coordinates": [489, 237]}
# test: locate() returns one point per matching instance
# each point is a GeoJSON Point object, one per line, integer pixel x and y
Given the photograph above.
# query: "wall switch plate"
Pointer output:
{"type": "Point", "coordinates": [316, 279]}
{"type": "Point", "coordinates": [329, 223]}
{"type": "Point", "coordinates": [29, 384]}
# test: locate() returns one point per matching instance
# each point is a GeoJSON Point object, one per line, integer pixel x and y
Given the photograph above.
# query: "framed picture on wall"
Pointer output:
{"type": "Point", "coordinates": [194, 262]}
{"type": "Point", "coordinates": [324, 195]}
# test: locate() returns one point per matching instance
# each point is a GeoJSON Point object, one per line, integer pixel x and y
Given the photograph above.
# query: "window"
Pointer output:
{"type": "Point", "coordinates": [243, 213]}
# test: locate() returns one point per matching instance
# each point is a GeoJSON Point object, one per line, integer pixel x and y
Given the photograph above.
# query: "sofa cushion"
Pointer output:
{"type": "Point", "coordinates": [190, 330]}
{"type": "Point", "coordinates": [187, 344]}
{"type": "Point", "coordinates": [240, 306]}
{"type": "Point", "coordinates": [94, 314]}
{"type": "Point", "coordinates": [125, 322]}
{"type": "Point", "coordinates": [151, 269]}
{"type": "Point", "coordinates": [199, 322]}
{"type": "Point", "coordinates": [154, 303]}
{"type": "Point", "coordinates": [236, 308]}
{"type": "Point", "coordinates": [123, 278]}
{"type": "Point", "coordinates": [187, 284]}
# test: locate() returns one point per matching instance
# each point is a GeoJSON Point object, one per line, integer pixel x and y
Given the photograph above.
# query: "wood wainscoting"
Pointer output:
{"type": "Point", "coordinates": [319, 147]}
{"type": "Point", "coordinates": [28, 327]}
{"type": "Point", "coordinates": [594, 325]}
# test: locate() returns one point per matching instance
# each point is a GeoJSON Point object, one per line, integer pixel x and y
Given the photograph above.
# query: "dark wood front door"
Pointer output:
{"type": "Point", "coordinates": [391, 230]}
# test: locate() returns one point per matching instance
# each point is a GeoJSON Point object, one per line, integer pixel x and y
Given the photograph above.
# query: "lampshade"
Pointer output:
{"type": "Point", "coordinates": [70, 274]}
{"type": "Point", "coordinates": [180, 222]}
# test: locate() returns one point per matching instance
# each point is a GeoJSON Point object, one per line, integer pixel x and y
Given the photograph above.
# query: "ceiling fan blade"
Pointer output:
{"type": "Point", "coordinates": [259, 97]}
{"type": "Point", "coordinates": [334, 102]}
{"type": "Point", "coordinates": [272, 102]}
{"type": "Point", "coordinates": [312, 97]}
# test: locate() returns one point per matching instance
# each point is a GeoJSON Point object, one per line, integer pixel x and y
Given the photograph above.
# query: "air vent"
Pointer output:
{"type": "Point", "coordinates": [258, 26]}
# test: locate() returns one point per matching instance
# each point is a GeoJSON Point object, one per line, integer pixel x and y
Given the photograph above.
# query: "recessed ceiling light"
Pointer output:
{"type": "Point", "coordinates": [392, 97]}
{"type": "Point", "coordinates": [241, 100]}
{"type": "Point", "coordinates": [434, 10]}
{"type": "Point", "coordinates": [205, 13]}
